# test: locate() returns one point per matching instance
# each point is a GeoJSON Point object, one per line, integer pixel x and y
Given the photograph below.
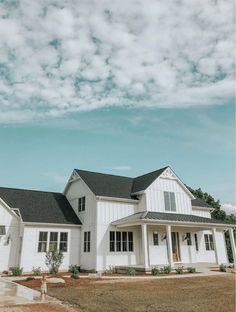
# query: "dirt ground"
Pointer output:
{"type": "Point", "coordinates": [198, 294]}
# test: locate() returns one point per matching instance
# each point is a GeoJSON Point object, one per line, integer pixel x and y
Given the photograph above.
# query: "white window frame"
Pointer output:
{"type": "Point", "coordinates": [58, 240]}
{"type": "Point", "coordinates": [168, 202]}
{"type": "Point", "coordinates": [209, 242]}
{"type": "Point", "coordinates": [121, 243]}
{"type": "Point", "coordinates": [87, 241]}
{"type": "Point", "coordinates": [81, 203]}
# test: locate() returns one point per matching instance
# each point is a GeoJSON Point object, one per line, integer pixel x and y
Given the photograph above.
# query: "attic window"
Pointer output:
{"type": "Point", "coordinates": [2, 230]}
{"type": "Point", "coordinates": [169, 198]}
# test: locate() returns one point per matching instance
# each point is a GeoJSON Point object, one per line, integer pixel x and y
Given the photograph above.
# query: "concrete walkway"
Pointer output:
{"type": "Point", "coordinates": [14, 294]}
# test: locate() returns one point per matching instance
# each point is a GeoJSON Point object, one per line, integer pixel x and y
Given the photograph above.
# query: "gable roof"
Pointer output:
{"type": "Point", "coordinates": [197, 202]}
{"type": "Point", "coordinates": [108, 185]}
{"type": "Point", "coordinates": [165, 216]}
{"type": "Point", "coordinates": [142, 182]}
{"type": "Point", "coordinates": [39, 206]}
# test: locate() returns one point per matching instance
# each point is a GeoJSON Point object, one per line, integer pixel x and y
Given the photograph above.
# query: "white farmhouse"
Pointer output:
{"type": "Point", "coordinates": [104, 220]}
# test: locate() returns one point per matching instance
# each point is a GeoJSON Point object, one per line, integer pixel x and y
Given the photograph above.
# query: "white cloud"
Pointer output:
{"type": "Point", "coordinates": [229, 208]}
{"type": "Point", "coordinates": [59, 57]}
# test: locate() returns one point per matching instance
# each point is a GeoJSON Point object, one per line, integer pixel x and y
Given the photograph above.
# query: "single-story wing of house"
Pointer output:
{"type": "Point", "coordinates": [102, 221]}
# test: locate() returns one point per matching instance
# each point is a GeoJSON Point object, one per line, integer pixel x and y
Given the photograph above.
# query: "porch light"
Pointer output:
{"type": "Point", "coordinates": [163, 236]}
{"type": "Point", "coordinates": [184, 237]}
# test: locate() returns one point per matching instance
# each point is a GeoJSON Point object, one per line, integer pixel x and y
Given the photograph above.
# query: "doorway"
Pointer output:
{"type": "Point", "coordinates": [175, 246]}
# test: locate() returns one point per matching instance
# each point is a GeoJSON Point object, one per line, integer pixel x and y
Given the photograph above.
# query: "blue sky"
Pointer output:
{"type": "Point", "coordinates": [117, 86]}
{"type": "Point", "coordinates": [198, 143]}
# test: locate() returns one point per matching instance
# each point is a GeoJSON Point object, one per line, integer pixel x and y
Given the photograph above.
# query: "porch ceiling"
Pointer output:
{"type": "Point", "coordinates": [175, 219]}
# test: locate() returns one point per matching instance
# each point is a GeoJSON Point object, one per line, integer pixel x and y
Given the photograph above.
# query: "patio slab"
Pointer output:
{"type": "Point", "coordinates": [14, 294]}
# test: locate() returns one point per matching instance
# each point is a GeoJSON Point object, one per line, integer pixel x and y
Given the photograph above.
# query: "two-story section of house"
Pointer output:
{"type": "Point", "coordinates": [145, 221]}
{"type": "Point", "coordinates": [103, 220]}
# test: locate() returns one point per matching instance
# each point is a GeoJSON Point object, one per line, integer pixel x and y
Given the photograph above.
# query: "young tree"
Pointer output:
{"type": "Point", "coordinates": [53, 261]}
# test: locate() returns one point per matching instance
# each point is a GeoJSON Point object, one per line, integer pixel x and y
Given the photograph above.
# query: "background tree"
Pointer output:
{"type": "Point", "coordinates": [218, 214]}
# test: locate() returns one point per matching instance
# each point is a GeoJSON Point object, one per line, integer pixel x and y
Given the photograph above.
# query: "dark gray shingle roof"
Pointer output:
{"type": "Point", "coordinates": [39, 206]}
{"type": "Point", "coordinates": [197, 202]}
{"type": "Point", "coordinates": [164, 216]}
{"type": "Point", "coordinates": [109, 185]}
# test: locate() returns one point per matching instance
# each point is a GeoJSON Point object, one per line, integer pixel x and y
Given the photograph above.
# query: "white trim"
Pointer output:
{"type": "Point", "coordinates": [51, 224]}
{"type": "Point", "coordinates": [106, 198]}
{"type": "Point", "coordinates": [9, 208]}
{"type": "Point", "coordinates": [177, 223]}
{"type": "Point", "coordinates": [202, 208]}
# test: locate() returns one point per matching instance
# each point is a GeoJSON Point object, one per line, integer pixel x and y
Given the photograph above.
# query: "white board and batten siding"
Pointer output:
{"type": "Point", "coordinates": [107, 212]}
{"type": "Point", "coordinates": [31, 257]}
{"type": "Point", "coordinates": [9, 243]}
{"type": "Point", "coordinates": [78, 189]}
{"type": "Point", "coordinates": [201, 213]}
{"type": "Point", "coordinates": [155, 196]}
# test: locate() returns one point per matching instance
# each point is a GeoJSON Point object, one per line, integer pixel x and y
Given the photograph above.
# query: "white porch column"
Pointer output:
{"type": "Point", "coordinates": [144, 245]}
{"type": "Point", "coordinates": [232, 243]}
{"type": "Point", "coordinates": [215, 245]}
{"type": "Point", "coordinates": [169, 245]}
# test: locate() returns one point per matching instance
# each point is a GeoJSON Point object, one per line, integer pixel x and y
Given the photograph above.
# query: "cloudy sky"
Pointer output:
{"type": "Point", "coordinates": [117, 86]}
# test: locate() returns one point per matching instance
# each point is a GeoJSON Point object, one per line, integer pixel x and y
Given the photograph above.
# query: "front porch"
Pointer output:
{"type": "Point", "coordinates": [194, 243]}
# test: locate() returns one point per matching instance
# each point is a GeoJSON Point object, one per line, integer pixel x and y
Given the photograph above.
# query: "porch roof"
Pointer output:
{"type": "Point", "coordinates": [164, 217]}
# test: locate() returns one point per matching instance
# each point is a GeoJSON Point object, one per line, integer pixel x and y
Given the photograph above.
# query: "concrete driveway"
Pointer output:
{"type": "Point", "coordinates": [13, 294]}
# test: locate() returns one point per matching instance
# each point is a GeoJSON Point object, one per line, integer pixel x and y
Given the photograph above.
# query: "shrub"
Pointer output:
{"type": "Point", "coordinates": [53, 261]}
{"type": "Point", "coordinates": [74, 268]}
{"type": "Point", "coordinates": [111, 270]}
{"type": "Point", "coordinates": [92, 271]}
{"type": "Point", "coordinates": [222, 268]}
{"type": "Point", "coordinates": [167, 269]}
{"type": "Point", "coordinates": [75, 275]}
{"type": "Point", "coordinates": [29, 279]}
{"type": "Point", "coordinates": [36, 271]}
{"type": "Point", "coordinates": [191, 270]}
{"type": "Point", "coordinates": [155, 271]}
{"type": "Point", "coordinates": [131, 271]}
{"type": "Point", "coordinates": [5, 272]}
{"type": "Point", "coordinates": [16, 271]}
{"type": "Point", "coordinates": [179, 270]}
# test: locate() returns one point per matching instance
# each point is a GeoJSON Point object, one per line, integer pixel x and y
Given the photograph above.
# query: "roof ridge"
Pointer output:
{"type": "Point", "coordinates": [114, 175]}
{"type": "Point", "coordinates": [23, 189]}
{"type": "Point", "coordinates": [152, 172]}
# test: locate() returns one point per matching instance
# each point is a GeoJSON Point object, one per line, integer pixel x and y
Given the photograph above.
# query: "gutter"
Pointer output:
{"type": "Point", "coordinates": [106, 198]}
{"type": "Point", "coordinates": [50, 224]}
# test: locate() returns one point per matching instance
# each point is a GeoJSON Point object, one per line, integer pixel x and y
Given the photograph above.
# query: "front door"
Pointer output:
{"type": "Point", "coordinates": [175, 246]}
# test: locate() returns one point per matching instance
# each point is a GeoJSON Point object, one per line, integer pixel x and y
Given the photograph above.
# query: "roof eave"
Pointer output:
{"type": "Point", "coordinates": [52, 224]}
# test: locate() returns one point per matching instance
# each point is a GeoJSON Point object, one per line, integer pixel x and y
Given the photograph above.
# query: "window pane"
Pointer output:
{"type": "Point", "coordinates": [124, 241]}
{"type": "Point", "coordinates": [196, 242]}
{"type": "Point", "coordinates": [211, 242]}
{"type": "Point", "coordinates": [53, 236]}
{"type": "Point", "coordinates": [206, 242]}
{"type": "Point", "coordinates": [189, 241]}
{"type": "Point", "coordinates": [130, 241]}
{"type": "Point", "coordinates": [118, 241]}
{"type": "Point", "coordinates": [167, 201]}
{"type": "Point", "coordinates": [172, 201]}
{"type": "Point", "coordinates": [63, 236]}
{"type": "Point", "coordinates": [42, 247]}
{"type": "Point", "coordinates": [63, 247]}
{"type": "Point", "coordinates": [112, 241]}
{"type": "Point", "coordinates": [2, 230]}
{"type": "Point", "coordinates": [43, 236]}
{"type": "Point", "coordinates": [155, 239]}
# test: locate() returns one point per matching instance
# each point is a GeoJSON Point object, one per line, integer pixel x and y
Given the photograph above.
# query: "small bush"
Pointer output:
{"type": "Point", "coordinates": [92, 271]}
{"type": "Point", "coordinates": [74, 269]}
{"type": "Point", "coordinates": [36, 271]}
{"type": "Point", "coordinates": [179, 270]}
{"type": "Point", "coordinates": [131, 271]}
{"type": "Point", "coordinates": [75, 275]}
{"type": "Point", "coordinates": [111, 270]}
{"type": "Point", "coordinates": [167, 269]}
{"type": "Point", "coordinates": [222, 268]}
{"type": "Point", "coordinates": [53, 261]}
{"type": "Point", "coordinates": [5, 272]}
{"type": "Point", "coordinates": [191, 270]}
{"type": "Point", "coordinates": [16, 271]}
{"type": "Point", "coordinates": [155, 271]}
{"type": "Point", "coordinates": [29, 279]}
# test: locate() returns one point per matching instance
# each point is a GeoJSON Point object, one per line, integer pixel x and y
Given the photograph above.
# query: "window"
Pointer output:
{"type": "Point", "coordinates": [53, 244]}
{"type": "Point", "coordinates": [188, 238]}
{"type": "Point", "coordinates": [81, 203]}
{"type": "Point", "coordinates": [63, 241]}
{"type": "Point", "coordinates": [43, 238]}
{"type": "Point", "coordinates": [196, 242]}
{"type": "Point", "coordinates": [53, 241]}
{"type": "Point", "coordinates": [155, 239]}
{"type": "Point", "coordinates": [121, 241]}
{"type": "Point", "coordinates": [169, 198]}
{"type": "Point", "coordinates": [2, 230]}
{"type": "Point", "coordinates": [87, 241]}
{"type": "Point", "coordinates": [209, 242]}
